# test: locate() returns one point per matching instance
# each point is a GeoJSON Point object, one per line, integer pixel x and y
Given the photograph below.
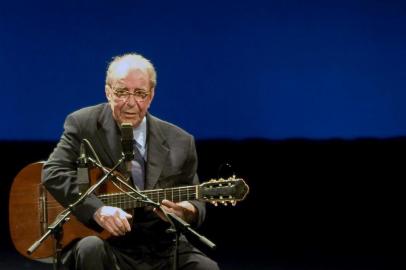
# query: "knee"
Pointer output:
{"type": "Point", "coordinates": [91, 245]}
{"type": "Point", "coordinates": [89, 253]}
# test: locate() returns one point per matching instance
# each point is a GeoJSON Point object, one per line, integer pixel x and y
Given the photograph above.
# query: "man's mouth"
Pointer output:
{"type": "Point", "coordinates": [130, 113]}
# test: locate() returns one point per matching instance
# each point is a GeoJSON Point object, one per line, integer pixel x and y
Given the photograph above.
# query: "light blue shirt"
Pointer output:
{"type": "Point", "coordinates": [140, 137]}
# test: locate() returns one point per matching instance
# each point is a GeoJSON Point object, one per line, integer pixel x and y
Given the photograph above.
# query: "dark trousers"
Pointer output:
{"type": "Point", "coordinates": [94, 253]}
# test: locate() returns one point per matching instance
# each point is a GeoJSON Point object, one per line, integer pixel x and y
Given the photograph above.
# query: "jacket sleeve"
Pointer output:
{"type": "Point", "coordinates": [60, 170]}
{"type": "Point", "coordinates": [192, 165]}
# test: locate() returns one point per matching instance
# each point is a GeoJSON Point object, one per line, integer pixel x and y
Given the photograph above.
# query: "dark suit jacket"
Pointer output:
{"type": "Point", "coordinates": [171, 161]}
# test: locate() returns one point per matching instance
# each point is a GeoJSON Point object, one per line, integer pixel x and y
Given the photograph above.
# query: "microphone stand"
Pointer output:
{"type": "Point", "coordinates": [178, 225]}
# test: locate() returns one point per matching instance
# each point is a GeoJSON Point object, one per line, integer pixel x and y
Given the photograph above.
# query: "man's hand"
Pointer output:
{"type": "Point", "coordinates": [185, 210]}
{"type": "Point", "coordinates": [113, 219]}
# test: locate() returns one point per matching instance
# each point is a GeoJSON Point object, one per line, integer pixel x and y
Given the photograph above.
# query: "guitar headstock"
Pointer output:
{"type": "Point", "coordinates": [223, 191]}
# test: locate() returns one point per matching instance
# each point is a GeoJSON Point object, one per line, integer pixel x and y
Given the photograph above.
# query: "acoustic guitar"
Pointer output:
{"type": "Point", "coordinates": [32, 208]}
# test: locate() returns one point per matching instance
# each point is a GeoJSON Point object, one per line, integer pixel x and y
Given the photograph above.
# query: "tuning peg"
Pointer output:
{"type": "Point", "coordinates": [224, 203]}
{"type": "Point", "coordinates": [214, 203]}
{"type": "Point", "coordinates": [233, 202]}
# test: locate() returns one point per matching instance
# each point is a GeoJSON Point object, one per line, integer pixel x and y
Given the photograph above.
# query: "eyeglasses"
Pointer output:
{"type": "Point", "coordinates": [123, 94]}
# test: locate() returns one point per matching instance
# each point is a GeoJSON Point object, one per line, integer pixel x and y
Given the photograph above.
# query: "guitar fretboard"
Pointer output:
{"type": "Point", "coordinates": [123, 200]}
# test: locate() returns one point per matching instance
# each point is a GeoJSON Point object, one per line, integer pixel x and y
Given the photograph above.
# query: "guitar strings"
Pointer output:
{"type": "Point", "coordinates": [175, 194]}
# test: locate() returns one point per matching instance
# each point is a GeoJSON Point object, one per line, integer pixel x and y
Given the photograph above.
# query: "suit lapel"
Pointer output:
{"type": "Point", "coordinates": [157, 152]}
{"type": "Point", "coordinates": [108, 135]}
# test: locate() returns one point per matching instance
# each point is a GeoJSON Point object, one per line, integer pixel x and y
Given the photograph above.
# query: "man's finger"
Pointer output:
{"type": "Point", "coordinates": [110, 228]}
{"type": "Point", "coordinates": [127, 225]}
{"type": "Point", "coordinates": [168, 203]}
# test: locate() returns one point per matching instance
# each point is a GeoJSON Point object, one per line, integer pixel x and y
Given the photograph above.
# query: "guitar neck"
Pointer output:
{"type": "Point", "coordinates": [123, 200]}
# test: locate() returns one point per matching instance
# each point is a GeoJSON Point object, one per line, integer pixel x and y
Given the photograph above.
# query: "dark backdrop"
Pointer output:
{"type": "Point", "coordinates": [331, 204]}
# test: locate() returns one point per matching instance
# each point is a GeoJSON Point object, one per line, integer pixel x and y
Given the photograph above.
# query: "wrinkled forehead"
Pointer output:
{"type": "Point", "coordinates": [123, 72]}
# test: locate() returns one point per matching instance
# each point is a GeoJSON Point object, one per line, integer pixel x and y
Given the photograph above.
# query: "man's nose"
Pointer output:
{"type": "Point", "coordinates": [131, 100]}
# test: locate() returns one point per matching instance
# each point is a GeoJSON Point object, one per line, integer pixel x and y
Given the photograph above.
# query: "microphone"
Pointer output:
{"type": "Point", "coordinates": [82, 160]}
{"type": "Point", "coordinates": [127, 144]}
{"type": "Point", "coordinates": [82, 170]}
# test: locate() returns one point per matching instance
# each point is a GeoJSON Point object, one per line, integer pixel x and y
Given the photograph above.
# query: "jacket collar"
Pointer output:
{"type": "Point", "coordinates": [158, 151]}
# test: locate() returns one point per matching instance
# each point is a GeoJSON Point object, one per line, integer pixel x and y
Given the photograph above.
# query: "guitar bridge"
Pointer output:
{"type": "Point", "coordinates": [43, 211]}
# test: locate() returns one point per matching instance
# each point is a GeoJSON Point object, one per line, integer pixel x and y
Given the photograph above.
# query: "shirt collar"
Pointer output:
{"type": "Point", "coordinates": [140, 134]}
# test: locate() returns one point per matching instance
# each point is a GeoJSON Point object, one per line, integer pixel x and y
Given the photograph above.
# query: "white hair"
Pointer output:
{"type": "Point", "coordinates": [121, 65]}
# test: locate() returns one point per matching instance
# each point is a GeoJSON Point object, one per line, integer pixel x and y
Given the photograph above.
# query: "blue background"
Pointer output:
{"type": "Point", "coordinates": [226, 69]}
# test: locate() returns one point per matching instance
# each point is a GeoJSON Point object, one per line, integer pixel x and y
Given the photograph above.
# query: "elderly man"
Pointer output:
{"type": "Point", "coordinates": [166, 158]}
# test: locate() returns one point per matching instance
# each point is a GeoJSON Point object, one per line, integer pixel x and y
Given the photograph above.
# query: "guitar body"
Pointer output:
{"type": "Point", "coordinates": [32, 209]}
